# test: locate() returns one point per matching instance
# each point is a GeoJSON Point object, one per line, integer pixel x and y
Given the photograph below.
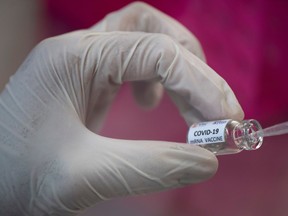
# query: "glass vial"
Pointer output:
{"type": "Point", "coordinates": [226, 136]}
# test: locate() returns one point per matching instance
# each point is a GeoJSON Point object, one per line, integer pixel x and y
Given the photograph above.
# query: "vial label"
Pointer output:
{"type": "Point", "coordinates": [207, 132]}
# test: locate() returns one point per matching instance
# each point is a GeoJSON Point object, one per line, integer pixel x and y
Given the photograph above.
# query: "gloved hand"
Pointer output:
{"type": "Point", "coordinates": [52, 164]}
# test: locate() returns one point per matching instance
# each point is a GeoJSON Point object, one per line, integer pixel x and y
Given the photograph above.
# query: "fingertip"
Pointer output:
{"type": "Point", "coordinates": [232, 106]}
{"type": "Point", "coordinates": [204, 163]}
{"type": "Point", "coordinates": [210, 165]}
{"type": "Point", "coordinates": [237, 114]}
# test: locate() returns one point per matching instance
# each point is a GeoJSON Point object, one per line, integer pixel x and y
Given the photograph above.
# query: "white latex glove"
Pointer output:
{"type": "Point", "coordinates": [52, 164]}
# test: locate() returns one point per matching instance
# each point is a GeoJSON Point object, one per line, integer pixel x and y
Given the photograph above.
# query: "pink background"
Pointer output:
{"type": "Point", "coordinates": [246, 43]}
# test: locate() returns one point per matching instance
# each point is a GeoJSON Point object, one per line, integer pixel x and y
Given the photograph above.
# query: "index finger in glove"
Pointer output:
{"type": "Point", "coordinates": [143, 56]}
{"type": "Point", "coordinates": [142, 17]}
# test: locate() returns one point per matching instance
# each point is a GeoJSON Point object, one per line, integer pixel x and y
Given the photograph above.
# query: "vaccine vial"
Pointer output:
{"type": "Point", "coordinates": [226, 136]}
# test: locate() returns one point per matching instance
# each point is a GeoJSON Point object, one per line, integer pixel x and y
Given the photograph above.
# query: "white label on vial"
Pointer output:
{"type": "Point", "coordinates": [207, 132]}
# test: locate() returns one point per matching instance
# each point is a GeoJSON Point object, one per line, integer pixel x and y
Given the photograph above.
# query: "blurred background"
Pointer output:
{"type": "Point", "coordinates": [245, 41]}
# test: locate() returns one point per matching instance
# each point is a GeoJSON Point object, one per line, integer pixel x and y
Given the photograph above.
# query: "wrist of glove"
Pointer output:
{"type": "Point", "coordinates": [50, 160]}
